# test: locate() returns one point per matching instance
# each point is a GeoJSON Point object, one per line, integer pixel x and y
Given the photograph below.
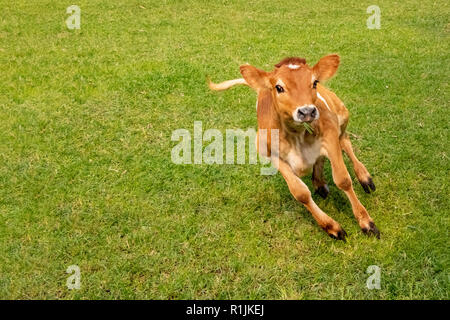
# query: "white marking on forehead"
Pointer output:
{"type": "Point", "coordinates": [324, 101]}
{"type": "Point", "coordinates": [293, 66]}
{"type": "Point", "coordinates": [281, 83]}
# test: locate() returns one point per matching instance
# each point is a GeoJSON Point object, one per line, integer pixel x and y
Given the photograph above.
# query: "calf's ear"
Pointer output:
{"type": "Point", "coordinates": [257, 79]}
{"type": "Point", "coordinates": [326, 67]}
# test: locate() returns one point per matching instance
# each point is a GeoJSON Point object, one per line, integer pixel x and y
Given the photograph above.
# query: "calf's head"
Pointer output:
{"type": "Point", "coordinates": [291, 87]}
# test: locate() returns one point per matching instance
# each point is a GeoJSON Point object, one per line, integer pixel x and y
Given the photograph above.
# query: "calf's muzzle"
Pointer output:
{"type": "Point", "coordinates": [306, 113]}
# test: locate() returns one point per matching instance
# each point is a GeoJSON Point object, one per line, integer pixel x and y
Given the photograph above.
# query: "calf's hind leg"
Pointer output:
{"type": "Point", "coordinates": [318, 180]}
{"type": "Point", "coordinates": [361, 172]}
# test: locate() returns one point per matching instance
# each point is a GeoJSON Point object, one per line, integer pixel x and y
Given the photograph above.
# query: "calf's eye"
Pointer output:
{"type": "Point", "coordinates": [279, 88]}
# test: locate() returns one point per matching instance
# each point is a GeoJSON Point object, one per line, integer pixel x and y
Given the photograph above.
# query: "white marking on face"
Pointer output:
{"type": "Point", "coordinates": [323, 100]}
{"type": "Point", "coordinates": [293, 66]}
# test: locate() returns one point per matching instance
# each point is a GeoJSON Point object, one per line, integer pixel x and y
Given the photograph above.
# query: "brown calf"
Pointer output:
{"type": "Point", "coordinates": [289, 96]}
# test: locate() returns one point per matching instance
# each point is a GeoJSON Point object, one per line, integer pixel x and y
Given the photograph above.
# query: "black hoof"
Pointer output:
{"type": "Point", "coordinates": [373, 230]}
{"type": "Point", "coordinates": [368, 185]}
{"type": "Point", "coordinates": [340, 235]}
{"type": "Point", "coordinates": [323, 191]}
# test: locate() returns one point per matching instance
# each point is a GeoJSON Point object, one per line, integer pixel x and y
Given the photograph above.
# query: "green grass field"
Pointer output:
{"type": "Point", "coordinates": [86, 178]}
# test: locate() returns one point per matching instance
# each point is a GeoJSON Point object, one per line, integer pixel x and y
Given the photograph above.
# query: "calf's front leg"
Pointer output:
{"type": "Point", "coordinates": [302, 194]}
{"type": "Point", "coordinates": [342, 179]}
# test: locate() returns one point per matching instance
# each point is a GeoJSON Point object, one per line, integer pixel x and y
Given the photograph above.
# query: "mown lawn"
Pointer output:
{"type": "Point", "coordinates": [86, 178]}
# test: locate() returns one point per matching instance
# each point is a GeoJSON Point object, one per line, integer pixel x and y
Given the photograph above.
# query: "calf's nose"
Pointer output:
{"type": "Point", "coordinates": [307, 113]}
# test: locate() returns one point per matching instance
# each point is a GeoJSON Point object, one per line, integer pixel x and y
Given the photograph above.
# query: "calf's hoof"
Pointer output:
{"type": "Point", "coordinates": [323, 191]}
{"type": "Point", "coordinates": [371, 230]}
{"type": "Point", "coordinates": [336, 232]}
{"type": "Point", "coordinates": [368, 185]}
{"type": "Point", "coordinates": [340, 235]}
